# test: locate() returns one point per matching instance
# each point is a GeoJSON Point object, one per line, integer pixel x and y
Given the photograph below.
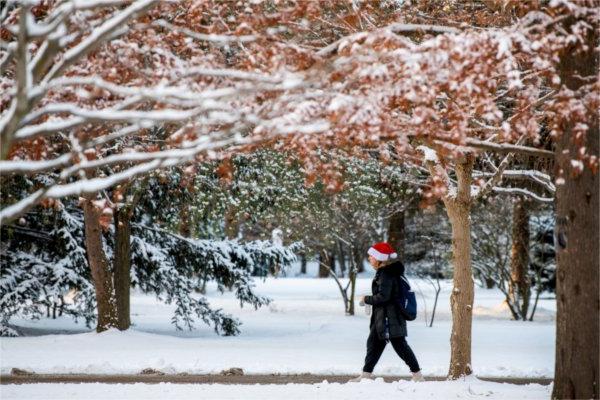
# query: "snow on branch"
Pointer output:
{"type": "Point", "coordinates": [395, 28]}
{"type": "Point", "coordinates": [429, 154]}
{"type": "Point", "coordinates": [508, 148]}
{"type": "Point", "coordinates": [524, 192]}
{"type": "Point", "coordinates": [543, 179]}
{"type": "Point", "coordinates": [97, 36]}
{"type": "Point", "coordinates": [29, 167]}
{"type": "Point", "coordinates": [202, 36]}
{"type": "Point", "coordinates": [498, 173]}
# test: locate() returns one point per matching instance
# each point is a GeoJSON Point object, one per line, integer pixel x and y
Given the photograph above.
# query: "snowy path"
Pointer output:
{"type": "Point", "coordinates": [276, 379]}
{"type": "Point", "coordinates": [468, 389]}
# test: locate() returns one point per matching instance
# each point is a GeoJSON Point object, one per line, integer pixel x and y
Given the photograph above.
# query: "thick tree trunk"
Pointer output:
{"type": "Point", "coordinates": [122, 266]}
{"type": "Point", "coordinates": [103, 285]}
{"type": "Point", "coordinates": [396, 233]}
{"type": "Point", "coordinates": [576, 373]}
{"type": "Point", "coordinates": [461, 300]}
{"type": "Point", "coordinates": [519, 290]}
{"type": "Point", "coordinates": [577, 353]}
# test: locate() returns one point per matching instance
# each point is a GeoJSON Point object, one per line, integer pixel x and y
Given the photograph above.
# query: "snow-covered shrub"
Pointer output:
{"type": "Point", "coordinates": [44, 267]}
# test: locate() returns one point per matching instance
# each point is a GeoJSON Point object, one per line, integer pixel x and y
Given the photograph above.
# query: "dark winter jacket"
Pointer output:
{"type": "Point", "coordinates": [385, 289]}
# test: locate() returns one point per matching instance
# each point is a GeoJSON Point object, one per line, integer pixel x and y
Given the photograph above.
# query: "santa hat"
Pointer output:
{"type": "Point", "coordinates": [382, 251]}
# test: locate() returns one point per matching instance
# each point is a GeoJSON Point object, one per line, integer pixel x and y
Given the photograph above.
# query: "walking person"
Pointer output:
{"type": "Point", "coordinates": [387, 323]}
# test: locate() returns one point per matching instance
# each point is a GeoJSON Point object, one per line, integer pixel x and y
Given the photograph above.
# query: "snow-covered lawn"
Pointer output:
{"type": "Point", "coordinates": [303, 330]}
{"type": "Point", "coordinates": [469, 389]}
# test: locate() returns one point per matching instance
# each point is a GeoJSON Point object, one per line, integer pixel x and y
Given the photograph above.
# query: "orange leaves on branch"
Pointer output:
{"type": "Point", "coordinates": [51, 203]}
{"type": "Point", "coordinates": [225, 170]}
{"type": "Point", "coordinates": [434, 192]}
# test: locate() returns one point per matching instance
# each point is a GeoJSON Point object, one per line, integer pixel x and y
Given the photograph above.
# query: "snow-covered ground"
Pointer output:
{"type": "Point", "coordinates": [469, 389]}
{"type": "Point", "coordinates": [303, 330]}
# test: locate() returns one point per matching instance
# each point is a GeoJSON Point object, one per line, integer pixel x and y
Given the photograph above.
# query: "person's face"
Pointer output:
{"type": "Point", "coordinates": [373, 261]}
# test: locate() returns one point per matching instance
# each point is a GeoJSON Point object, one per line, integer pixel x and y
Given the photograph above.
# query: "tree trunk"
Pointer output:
{"type": "Point", "coordinates": [303, 263]}
{"type": "Point", "coordinates": [577, 352]}
{"type": "Point", "coordinates": [352, 277]}
{"type": "Point", "coordinates": [323, 272]}
{"type": "Point", "coordinates": [326, 258]}
{"type": "Point", "coordinates": [101, 276]}
{"type": "Point", "coordinates": [396, 233]}
{"type": "Point", "coordinates": [358, 259]}
{"type": "Point", "coordinates": [122, 266]}
{"type": "Point", "coordinates": [184, 221]}
{"type": "Point", "coordinates": [331, 259]}
{"type": "Point", "coordinates": [461, 300]}
{"type": "Point", "coordinates": [519, 291]}
{"type": "Point", "coordinates": [341, 258]}
{"type": "Point", "coordinates": [232, 227]}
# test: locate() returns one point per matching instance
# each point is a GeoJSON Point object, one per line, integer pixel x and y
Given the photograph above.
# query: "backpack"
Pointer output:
{"type": "Point", "coordinates": [406, 301]}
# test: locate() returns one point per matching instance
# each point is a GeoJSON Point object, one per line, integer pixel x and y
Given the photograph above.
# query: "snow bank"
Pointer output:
{"type": "Point", "coordinates": [470, 388]}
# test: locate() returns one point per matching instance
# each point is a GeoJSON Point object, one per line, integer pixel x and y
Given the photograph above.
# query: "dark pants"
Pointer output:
{"type": "Point", "coordinates": [375, 348]}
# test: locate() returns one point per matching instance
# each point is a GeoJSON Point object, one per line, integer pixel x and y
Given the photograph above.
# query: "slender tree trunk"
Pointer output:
{"type": "Point", "coordinates": [341, 258]}
{"type": "Point", "coordinates": [352, 277]}
{"type": "Point", "coordinates": [101, 276]}
{"type": "Point", "coordinates": [396, 233]}
{"type": "Point", "coordinates": [184, 221]}
{"type": "Point", "coordinates": [323, 272]}
{"type": "Point", "coordinates": [519, 290]}
{"type": "Point", "coordinates": [303, 263]}
{"type": "Point", "coordinates": [231, 224]}
{"type": "Point", "coordinates": [435, 301]}
{"type": "Point", "coordinates": [122, 266]}
{"type": "Point", "coordinates": [576, 371]}
{"type": "Point", "coordinates": [331, 259]}
{"type": "Point", "coordinates": [358, 259]}
{"type": "Point", "coordinates": [461, 300]}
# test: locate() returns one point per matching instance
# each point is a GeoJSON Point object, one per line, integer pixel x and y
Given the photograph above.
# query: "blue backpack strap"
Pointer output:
{"type": "Point", "coordinates": [409, 301]}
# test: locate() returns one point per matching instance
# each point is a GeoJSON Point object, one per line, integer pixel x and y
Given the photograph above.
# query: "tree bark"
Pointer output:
{"type": "Point", "coordinates": [184, 221]}
{"type": "Point", "coordinates": [323, 259]}
{"type": "Point", "coordinates": [303, 263]}
{"type": "Point", "coordinates": [331, 259]}
{"type": "Point", "coordinates": [396, 233]}
{"type": "Point", "coordinates": [341, 258]}
{"type": "Point", "coordinates": [519, 290]}
{"type": "Point", "coordinates": [359, 258]}
{"type": "Point", "coordinates": [352, 277]}
{"type": "Point", "coordinates": [232, 227]}
{"type": "Point", "coordinates": [101, 276]}
{"type": "Point", "coordinates": [576, 371]}
{"type": "Point", "coordinates": [122, 266]}
{"type": "Point", "coordinates": [461, 300]}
